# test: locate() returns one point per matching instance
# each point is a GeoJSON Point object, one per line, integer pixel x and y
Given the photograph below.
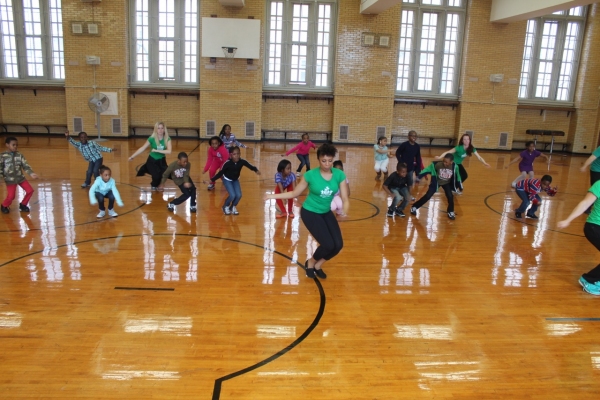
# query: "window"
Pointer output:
{"type": "Point", "coordinates": [551, 56]}
{"type": "Point", "coordinates": [299, 43]}
{"type": "Point", "coordinates": [165, 41]}
{"type": "Point", "coordinates": [430, 45]}
{"type": "Point", "coordinates": [31, 40]}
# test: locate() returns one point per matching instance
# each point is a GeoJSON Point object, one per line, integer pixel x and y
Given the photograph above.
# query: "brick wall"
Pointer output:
{"type": "Point", "coordinates": [536, 119]}
{"type": "Point", "coordinates": [428, 120]}
{"type": "Point", "coordinates": [303, 115]}
{"type": "Point", "coordinates": [26, 107]}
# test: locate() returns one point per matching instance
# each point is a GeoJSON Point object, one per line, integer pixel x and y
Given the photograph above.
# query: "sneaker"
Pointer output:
{"type": "Point", "coordinates": [412, 199]}
{"type": "Point", "coordinates": [413, 210]}
{"type": "Point", "coordinates": [582, 281]}
{"type": "Point", "coordinates": [513, 185]}
{"type": "Point", "coordinates": [84, 185]}
{"type": "Point", "coordinates": [518, 214]}
{"type": "Point", "coordinates": [112, 213]}
{"type": "Point", "coordinates": [192, 209]}
{"type": "Point", "coordinates": [532, 216]}
{"type": "Point", "coordinates": [451, 215]}
{"type": "Point", "coordinates": [457, 192]}
{"type": "Point", "coordinates": [400, 213]}
{"type": "Point", "coordinates": [226, 210]}
{"type": "Point", "coordinates": [211, 186]}
{"type": "Point", "coordinates": [298, 174]}
{"type": "Point", "coordinates": [320, 273]}
{"type": "Point", "coordinates": [154, 188]}
{"type": "Point", "coordinates": [101, 214]}
{"type": "Point", "coordinates": [234, 211]}
{"type": "Point", "coordinates": [23, 208]}
{"type": "Point", "coordinates": [590, 288]}
{"type": "Point", "coordinates": [390, 213]}
{"type": "Point", "coordinates": [5, 210]}
{"type": "Point", "coordinates": [170, 207]}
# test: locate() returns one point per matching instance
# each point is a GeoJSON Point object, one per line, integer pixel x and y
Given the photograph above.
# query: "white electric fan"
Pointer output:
{"type": "Point", "coordinates": [99, 103]}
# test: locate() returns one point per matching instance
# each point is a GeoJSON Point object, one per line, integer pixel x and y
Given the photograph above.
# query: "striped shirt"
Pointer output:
{"type": "Point", "coordinates": [285, 181]}
{"type": "Point", "coordinates": [530, 186]}
{"type": "Point", "coordinates": [91, 150]}
{"type": "Point", "coordinates": [231, 141]}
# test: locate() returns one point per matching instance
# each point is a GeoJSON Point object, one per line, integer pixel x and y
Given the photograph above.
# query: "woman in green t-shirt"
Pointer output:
{"type": "Point", "coordinates": [465, 148]}
{"type": "Point", "coordinates": [160, 146]}
{"type": "Point", "coordinates": [591, 280]}
{"type": "Point", "coordinates": [322, 183]}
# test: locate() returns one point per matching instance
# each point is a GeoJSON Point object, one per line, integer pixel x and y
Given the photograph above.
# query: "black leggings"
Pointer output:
{"type": "Point", "coordinates": [186, 193]}
{"type": "Point", "coordinates": [463, 177]}
{"type": "Point", "coordinates": [592, 233]}
{"type": "Point", "coordinates": [326, 230]}
{"type": "Point", "coordinates": [594, 177]}
{"type": "Point", "coordinates": [156, 169]}
{"type": "Point", "coordinates": [433, 187]}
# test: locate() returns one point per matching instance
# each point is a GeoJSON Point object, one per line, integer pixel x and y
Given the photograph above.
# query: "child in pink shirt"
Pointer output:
{"type": "Point", "coordinates": [217, 155]}
{"type": "Point", "coordinates": [302, 150]}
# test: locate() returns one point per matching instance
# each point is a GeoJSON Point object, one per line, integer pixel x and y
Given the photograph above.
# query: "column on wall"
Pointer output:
{"type": "Point", "coordinates": [365, 76]}
{"type": "Point", "coordinates": [110, 45]}
{"type": "Point", "coordinates": [585, 124]}
{"type": "Point", "coordinates": [488, 108]}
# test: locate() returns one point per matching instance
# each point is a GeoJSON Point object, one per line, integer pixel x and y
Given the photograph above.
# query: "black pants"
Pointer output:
{"type": "Point", "coordinates": [326, 230]}
{"type": "Point", "coordinates": [433, 187]}
{"type": "Point", "coordinates": [186, 193]}
{"type": "Point", "coordinates": [93, 169]}
{"type": "Point", "coordinates": [111, 200]}
{"type": "Point", "coordinates": [463, 177]}
{"type": "Point", "coordinates": [155, 168]}
{"type": "Point", "coordinates": [592, 233]}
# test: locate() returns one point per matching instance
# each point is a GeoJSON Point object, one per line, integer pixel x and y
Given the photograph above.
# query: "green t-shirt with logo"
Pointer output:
{"type": "Point", "coordinates": [320, 191]}
{"type": "Point", "coordinates": [596, 163]}
{"type": "Point", "coordinates": [460, 154]}
{"type": "Point", "coordinates": [594, 217]}
{"type": "Point", "coordinates": [161, 145]}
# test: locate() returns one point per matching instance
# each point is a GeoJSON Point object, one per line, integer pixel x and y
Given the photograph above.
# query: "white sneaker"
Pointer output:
{"type": "Point", "coordinates": [226, 210]}
{"type": "Point", "coordinates": [170, 207]}
{"type": "Point", "coordinates": [234, 211]}
{"type": "Point", "coordinates": [112, 213]}
{"type": "Point", "coordinates": [298, 174]}
{"type": "Point", "coordinates": [193, 209]}
{"type": "Point", "coordinates": [101, 214]}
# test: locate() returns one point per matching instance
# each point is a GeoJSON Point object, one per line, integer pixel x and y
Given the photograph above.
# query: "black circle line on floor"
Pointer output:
{"type": "Point", "coordinates": [219, 381]}
{"type": "Point", "coordinates": [524, 221]}
{"type": "Point", "coordinates": [88, 222]}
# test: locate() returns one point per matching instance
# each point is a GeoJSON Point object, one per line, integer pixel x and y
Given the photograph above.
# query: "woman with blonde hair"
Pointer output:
{"type": "Point", "coordinates": [160, 146]}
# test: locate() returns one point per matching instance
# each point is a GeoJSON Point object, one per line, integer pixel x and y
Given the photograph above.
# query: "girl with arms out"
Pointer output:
{"type": "Point", "coordinates": [463, 150]}
{"type": "Point", "coordinates": [160, 146]}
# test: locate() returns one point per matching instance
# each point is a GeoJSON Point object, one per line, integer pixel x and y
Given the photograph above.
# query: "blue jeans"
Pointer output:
{"type": "Point", "coordinates": [93, 168]}
{"type": "Point", "coordinates": [400, 194]}
{"type": "Point", "coordinates": [235, 192]}
{"type": "Point", "coordinates": [525, 202]}
{"type": "Point", "coordinates": [111, 200]}
{"type": "Point", "coordinates": [304, 160]}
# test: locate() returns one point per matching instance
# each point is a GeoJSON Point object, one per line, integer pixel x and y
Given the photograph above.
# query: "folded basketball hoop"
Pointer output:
{"type": "Point", "coordinates": [229, 52]}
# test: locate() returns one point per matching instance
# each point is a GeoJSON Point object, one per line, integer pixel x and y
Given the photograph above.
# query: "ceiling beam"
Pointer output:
{"type": "Point", "coordinates": [518, 10]}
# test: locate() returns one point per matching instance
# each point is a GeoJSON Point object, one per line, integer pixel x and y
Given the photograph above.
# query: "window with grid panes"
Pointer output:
{"type": "Point", "coordinates": [431, 35]}
{"type": "Point", "coordinates": [551, 56]}
{"type": "Point", "coordinates": [299, 45]}
{"type": "Point", "coordinates": [31, 40]}
{"type": "Point", "coordinates": [164, 42]}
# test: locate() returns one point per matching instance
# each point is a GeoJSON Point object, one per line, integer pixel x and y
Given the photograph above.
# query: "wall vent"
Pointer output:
{"type": "Point", "coordinates": [116, 125]}
{"type": "Point", "coordinates": [503, 142]}
{"type": "Point", "coordinates": [249, 129]}
{"type": "Point", "coordinates": [470, 133]}
{"type": "Point", "coordinates": [77, 124]}
{"type": "Point", "coordinates": [211, 128]}
{"type": "Point", "coordinates": [343, 132]}
{"type": "Point", "coordinates": [380, 132]}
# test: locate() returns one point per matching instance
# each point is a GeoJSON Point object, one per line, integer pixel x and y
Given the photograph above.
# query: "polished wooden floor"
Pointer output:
{"type": "Point", "coordinates": [154, 304]}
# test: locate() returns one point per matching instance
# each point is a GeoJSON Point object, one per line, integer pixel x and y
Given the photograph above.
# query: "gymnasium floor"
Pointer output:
{"type": "Point", "coordinates": [154, 304]}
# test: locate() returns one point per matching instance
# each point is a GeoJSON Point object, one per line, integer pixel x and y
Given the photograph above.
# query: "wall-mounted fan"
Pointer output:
{"type": "Point", "coordinates": [98, 103]}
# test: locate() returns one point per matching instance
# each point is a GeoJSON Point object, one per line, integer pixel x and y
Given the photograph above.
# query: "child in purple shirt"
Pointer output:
{"type": "Point", "coordinates": [527, 158]}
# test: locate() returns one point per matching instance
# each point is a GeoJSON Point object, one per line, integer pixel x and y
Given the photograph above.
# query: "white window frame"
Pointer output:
{"type": "Point", "coordinates": [409, 71]}
{"type": "Point", "coordinates": [285, 68]}
{"type": "Point", "coordinates": [185, 66]}
{"type": "Point", "coordinates": [49, 52]}
{"type": "Point", "coordinates": [530, 86]}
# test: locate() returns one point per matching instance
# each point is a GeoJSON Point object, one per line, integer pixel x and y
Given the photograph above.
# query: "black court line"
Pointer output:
{"type": "Point", "coordinates": [524, 221]}
{"type": "Point", "coordinates": [144, 288]}
{"type": "Point", "coordinates": [218, 381]}
{"type": "Point", "coordinates": [572, 319]}
{"type": "Point", "coordinates": [99, 220]}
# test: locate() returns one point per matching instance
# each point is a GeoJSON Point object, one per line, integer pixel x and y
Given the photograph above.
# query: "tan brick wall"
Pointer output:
{"type": "Point", "coordinates": [303, 115]}
{"type": "Point", "coordinates": [176, 111]}
{"type": "Point", "coordinates": [24, 107]}
{"type": "Point", "coordinates": [534, 119]}
{"type": "Point", "coordinates": [431, 120]}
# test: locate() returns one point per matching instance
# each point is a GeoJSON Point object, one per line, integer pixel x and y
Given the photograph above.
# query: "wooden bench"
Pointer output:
{"type": "Point", "coordinates": [51, 129]}
{"type": "Point", "coordinates": [293, 135]}
{"type": "Point", "coordinates": [430, 138]}
{"type": "Point", "coordinates": [135, 129]}
{"type": "Point", "coordinates": [546, 132]}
